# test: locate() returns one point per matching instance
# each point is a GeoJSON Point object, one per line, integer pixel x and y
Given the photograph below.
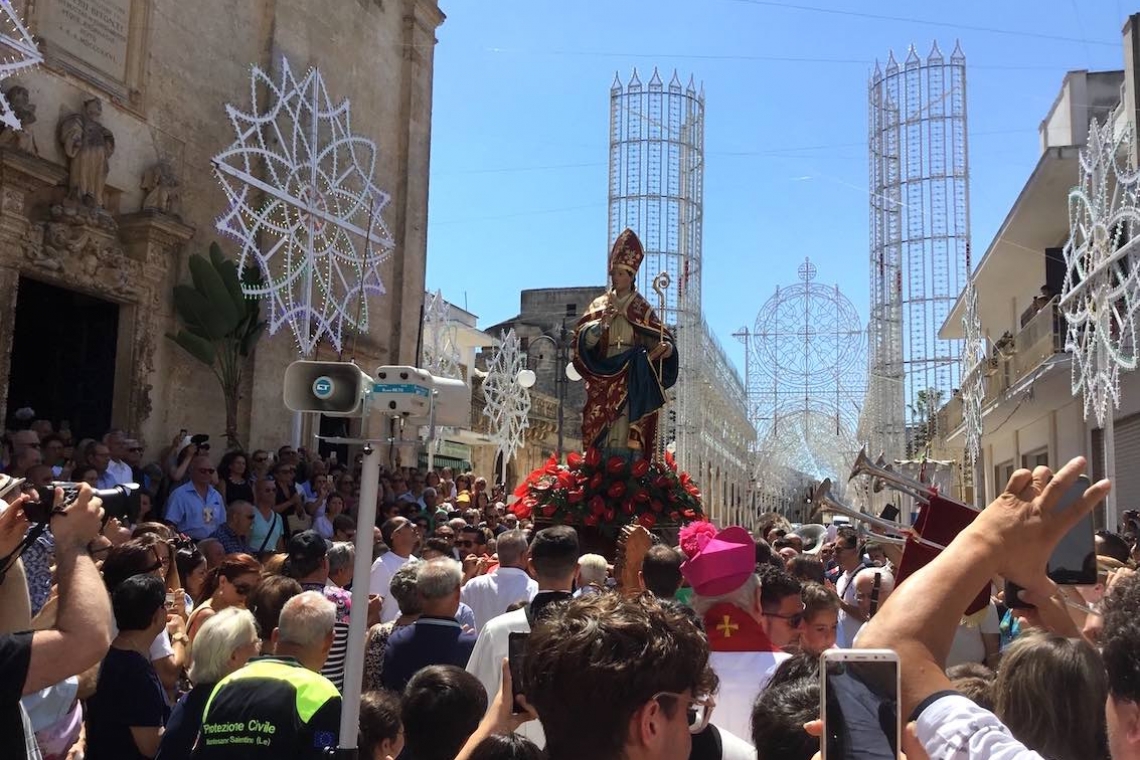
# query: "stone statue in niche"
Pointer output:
{"type": "Point", "coordinates": [88, 145]}
{"type": "Point", "coordinates": [25, 110]}
{"type": "Point", "coordinates": [161, 188]}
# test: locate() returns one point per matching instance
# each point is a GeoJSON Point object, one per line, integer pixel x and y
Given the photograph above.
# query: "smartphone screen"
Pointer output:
{"type": "Point", "coordinates": [890, 512]}
{"type": "Point", "coordinates": [516, 656]}
{"type": "Point", "coordinates": [1074, 560]}
{"type": "Point", "coordinates": [860, 707]}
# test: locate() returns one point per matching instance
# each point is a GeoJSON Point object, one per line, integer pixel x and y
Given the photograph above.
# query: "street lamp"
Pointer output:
{"type": "Point", "coordinates": [527, 377]}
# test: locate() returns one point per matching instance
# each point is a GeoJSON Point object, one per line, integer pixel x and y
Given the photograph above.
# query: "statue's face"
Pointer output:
{"type": "Point", "coordinates": [94, 109]}
{"type": "Point", "coordinates": [622, 279]}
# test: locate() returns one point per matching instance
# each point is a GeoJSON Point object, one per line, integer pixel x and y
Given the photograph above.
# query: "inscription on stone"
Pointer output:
{"type": "Point", "coordinates": [93, 31]}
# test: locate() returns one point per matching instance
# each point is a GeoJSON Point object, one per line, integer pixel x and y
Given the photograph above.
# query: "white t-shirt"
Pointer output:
{"type": "Point", "coordinates": [380, 582]}
{"type": "Point", "coordinates": [486, 663]}
{"type": "Point", "coordinates": [952, 726]}
{"type": "Point", "coordinates": [968, 646]}
{"type": "Point", "coordinates": [743, 675]}
{"type": "Point", "coordinates": [490, 595]}
{"type": "Point", "coordinates": [848, 625]}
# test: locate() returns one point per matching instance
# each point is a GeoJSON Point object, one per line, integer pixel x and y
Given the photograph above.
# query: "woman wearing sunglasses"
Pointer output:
{"type": "Point", "coordinates": [227, 585]}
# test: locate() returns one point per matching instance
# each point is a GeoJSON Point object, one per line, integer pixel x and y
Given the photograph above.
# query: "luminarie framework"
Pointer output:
{"type": "Point", "coordinates": [805, 375]}
{"type": "Point", "coordinates": [18, 52]}
{"type": "Point", "coordinates": [303, 206]}
{"type": "Point", "coordinates": [1101, 289]}
{"type": "Point", "coordinates": [656, 188]}
{"type": "Point", "coordinates": [920, 231]}
{"type": "Point", "coordinates": [507, 402]}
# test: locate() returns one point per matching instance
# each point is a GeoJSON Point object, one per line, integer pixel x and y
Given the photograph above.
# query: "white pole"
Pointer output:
{"type": "Point", "coordinates": [358, 622]}
{"type": "Point", "coordinates": [1111, 516]}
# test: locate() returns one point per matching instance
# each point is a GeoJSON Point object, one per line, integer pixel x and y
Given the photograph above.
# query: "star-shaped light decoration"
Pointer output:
{"type": "Point", "coordinates": [441, 354]}
{"type": "Point", "coordinates": [973, 377]}
{"type": "Point", "coordinates": [303, 205]}
{"type": "Point", "coordinates": [1100, 292]}
{"type": "Point", "coordinates": [18, 51]}
{"type": "Point", "coordinates": [507, 401]}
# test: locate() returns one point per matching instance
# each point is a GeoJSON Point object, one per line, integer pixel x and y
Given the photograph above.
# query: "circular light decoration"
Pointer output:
{"type": "Point", "coordinates": [303, 206]}
{"type": "Point", "coordinates": [1101, 291]}
{"type": "Point", "coordinates": [18, 51]}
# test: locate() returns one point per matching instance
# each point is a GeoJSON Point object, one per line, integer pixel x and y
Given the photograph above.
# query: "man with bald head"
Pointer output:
{"type": "Point", "coordinates": [118, 471]}
{"type": "Point", "coordinates": [24, 439]}
{"type": "Point", "coordinates": [233, 534]}
{"type": "Point", "coordinates": [25, 461]}
{"type": "Point", "coordinates": [196, 508]}
{"type": "Point", "coordinates": [872, 587]}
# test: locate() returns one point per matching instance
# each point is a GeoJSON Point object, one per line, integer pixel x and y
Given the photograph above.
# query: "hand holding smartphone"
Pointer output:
{"type": "Point", "coordinates": [516, 656]}
{"type": "Point", "coordinates": [1073, 561]}
{"type": "Point", "coordinates": [859, 704]}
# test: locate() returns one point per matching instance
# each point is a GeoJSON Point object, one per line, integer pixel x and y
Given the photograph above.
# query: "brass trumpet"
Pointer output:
{"type": "Point", "coordinates": [887, 530]}
{"type": "Point", "coordinates": [885, 476]}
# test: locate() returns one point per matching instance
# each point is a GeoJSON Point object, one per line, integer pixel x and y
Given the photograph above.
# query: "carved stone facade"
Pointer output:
{"type": "Point", "coordinates": [163, 109]}
{"type": "Point", "coordinates": [129, 261]}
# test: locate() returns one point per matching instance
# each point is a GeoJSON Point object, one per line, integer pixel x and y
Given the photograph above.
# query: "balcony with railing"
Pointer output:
{"type": "Point", "coordinates": [1012, 359]}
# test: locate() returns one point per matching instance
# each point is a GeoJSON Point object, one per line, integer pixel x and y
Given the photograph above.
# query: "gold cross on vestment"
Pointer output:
{"type": "Point", "coordinates": [727, 627]}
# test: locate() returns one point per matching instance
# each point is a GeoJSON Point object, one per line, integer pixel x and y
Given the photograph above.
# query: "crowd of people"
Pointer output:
{"type": "Point", "coordinates": [209, 618]}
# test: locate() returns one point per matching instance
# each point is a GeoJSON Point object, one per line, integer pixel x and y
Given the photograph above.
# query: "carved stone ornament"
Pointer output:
{"type": "Point", "coordinates": [162, 190]}
{"type": "Point", "coordinates": [88, 146]}
{"type": "Point", "coordinates": [81, 241]}
{"type": "Point", "coordinates": [25, 110]}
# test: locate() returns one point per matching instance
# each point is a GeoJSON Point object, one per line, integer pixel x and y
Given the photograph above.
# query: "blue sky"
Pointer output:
{"type": "Point", "coordinates": [520, 123]}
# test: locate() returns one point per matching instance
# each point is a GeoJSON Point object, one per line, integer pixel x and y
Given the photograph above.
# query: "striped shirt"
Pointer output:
{"type": "Point", "coordinates": [334, 665]}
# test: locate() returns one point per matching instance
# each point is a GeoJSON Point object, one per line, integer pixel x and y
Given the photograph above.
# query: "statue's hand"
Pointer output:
{"type": "Point", "coordinates": [663, 351]}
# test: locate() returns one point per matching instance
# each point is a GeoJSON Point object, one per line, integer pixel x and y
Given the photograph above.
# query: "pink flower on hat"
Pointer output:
{"type": "Point", "coordinates": [695, 536]}
{"type": "Point", "coordinates": [720, 562]}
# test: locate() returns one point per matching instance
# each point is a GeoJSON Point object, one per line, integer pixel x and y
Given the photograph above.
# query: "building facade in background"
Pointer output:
{"type": "Point", "coordinates": [88, 292]}
{"type": "Point", "coordinates": [1030, 415]}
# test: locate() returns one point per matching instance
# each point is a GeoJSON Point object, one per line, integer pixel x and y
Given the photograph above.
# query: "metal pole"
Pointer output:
{"type": "Point", "coordinates": [560, 376]}
{"type": "Point", "coordinates": [358, 622]}
{"type": "Point", "coordinates": [1111, 516]}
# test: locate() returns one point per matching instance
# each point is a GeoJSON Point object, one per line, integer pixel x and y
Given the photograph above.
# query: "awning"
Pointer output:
{"type": "Point", "coordinates": [458, 465]}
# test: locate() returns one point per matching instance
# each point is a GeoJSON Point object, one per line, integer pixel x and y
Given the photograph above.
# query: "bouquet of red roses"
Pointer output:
{"type": "Point", "coordinates": [609, 494]}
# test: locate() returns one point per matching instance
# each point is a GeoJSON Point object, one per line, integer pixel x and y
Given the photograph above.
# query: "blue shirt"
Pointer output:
{"type": "Point", "coordinates": [428, 641]}
{"type": "Point", "coordinates": [193, 515]}
{"type": "Point", "coordinates": [231, 542]}
{"type": "Point", "coordinates": [265, 533]}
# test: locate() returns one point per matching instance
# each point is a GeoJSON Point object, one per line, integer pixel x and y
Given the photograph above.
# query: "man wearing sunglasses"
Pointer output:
{"type": "Point", "coordinates": [749, 616]}
{"type": "Point", "coordinates": [196, 508]}
{"type": "Point", "coordinates": [639, 668]}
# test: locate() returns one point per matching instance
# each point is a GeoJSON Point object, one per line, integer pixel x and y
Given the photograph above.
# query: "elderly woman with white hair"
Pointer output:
{"type": "Point", "coordinates": [592, 574]}
{"type": "Point", "coordinates": [224, 643]}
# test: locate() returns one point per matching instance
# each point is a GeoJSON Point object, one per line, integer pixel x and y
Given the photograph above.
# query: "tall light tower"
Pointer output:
{"type": "Point", "coordinates": [920, 232]}
{"type": "Point", "coordinates": [656, 188]}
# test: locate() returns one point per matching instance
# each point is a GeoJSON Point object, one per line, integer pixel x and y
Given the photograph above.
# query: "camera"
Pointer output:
{"type": "Point", "coordinates": [201, 441]}
{"type": "Point", "coordinates": [117, 501]}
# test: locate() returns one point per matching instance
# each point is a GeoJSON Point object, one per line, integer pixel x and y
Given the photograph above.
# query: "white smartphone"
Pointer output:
{"type": "Point", "coordinates": [859, 704]}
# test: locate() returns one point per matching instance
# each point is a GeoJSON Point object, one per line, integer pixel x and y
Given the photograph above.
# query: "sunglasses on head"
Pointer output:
{"type": "Point", "coordinates": [697, 710]}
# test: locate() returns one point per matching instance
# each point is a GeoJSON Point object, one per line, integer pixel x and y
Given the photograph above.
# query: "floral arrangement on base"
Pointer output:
{"type": "Point", "coordinates": [610, 494]}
